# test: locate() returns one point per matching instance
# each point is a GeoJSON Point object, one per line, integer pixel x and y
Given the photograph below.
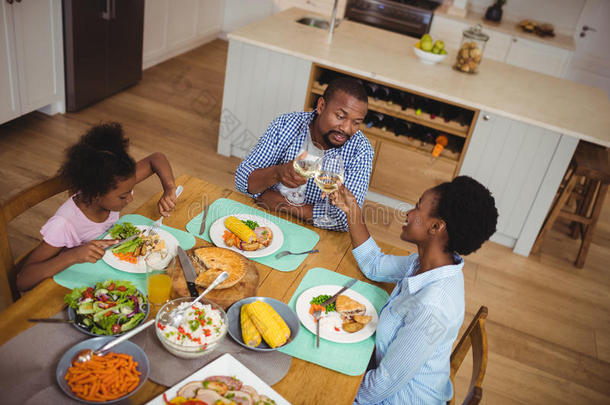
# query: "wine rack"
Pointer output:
{"type": "Point", "coordinates": [404, 127]}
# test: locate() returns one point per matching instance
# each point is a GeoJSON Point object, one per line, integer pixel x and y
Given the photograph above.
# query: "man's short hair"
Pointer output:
{"type": "Point", "coordinates": [350, 86]}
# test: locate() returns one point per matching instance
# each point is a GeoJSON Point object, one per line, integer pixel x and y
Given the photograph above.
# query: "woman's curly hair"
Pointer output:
{"type": "Point", "coordinates": [93, 165]}
{"type": "Point", "coordinates": [469, 210]}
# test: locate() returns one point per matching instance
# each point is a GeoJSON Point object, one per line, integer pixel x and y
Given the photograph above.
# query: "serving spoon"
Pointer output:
{"type": "Point", "coordinates": [86, 354]}
{"type": "Point", "coordinates": [178, 314]}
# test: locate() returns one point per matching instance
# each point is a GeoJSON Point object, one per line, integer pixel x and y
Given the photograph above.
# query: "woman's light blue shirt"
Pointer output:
{"type": "Point", "coordinates": [417, 327]}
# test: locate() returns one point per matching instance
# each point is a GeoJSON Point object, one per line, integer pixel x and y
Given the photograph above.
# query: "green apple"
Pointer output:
{"type": "Point", "coordinates": [443, 52]}
{"type": "Point", "coordinates": [436, 50]}
{"type": "Point", "coordinates": [426, 45]}
{"type": "Point", "coordinates": [439, 44]}
{"type": "Point", "coordinates": [426, 37]}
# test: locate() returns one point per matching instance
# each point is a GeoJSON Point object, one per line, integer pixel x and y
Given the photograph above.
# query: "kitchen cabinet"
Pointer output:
{"type": "Point", "coordinates": [324, 7]}
{"type": "Point", "coordinates": [31, 66]}
{"type": "Point", "coordinates": [514, 160]}
{"type": "Point", "coordinates": [538, 57]}
{"type": "Point", "coordinates": [531, 55]}
{"type": "Point", "coordinates": [174, 27]}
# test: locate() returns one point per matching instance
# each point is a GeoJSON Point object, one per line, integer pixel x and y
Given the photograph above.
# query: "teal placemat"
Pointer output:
{"type": "Point", "coordinates": [296, 237]}
{"type": "Point", "coordinates": [82, 274]}
{"type": "Point", "coordinates": [346, 358]}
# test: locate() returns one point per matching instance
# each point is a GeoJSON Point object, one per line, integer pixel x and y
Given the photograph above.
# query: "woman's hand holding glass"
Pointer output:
{"type": "Point", "coordinates": [328, 176]}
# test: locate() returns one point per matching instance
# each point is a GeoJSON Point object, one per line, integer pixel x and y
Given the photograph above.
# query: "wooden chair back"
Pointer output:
{"type": "Point", "coordinates": [475, 337]}
{"type": "Point", "coordinates": [10, 209]}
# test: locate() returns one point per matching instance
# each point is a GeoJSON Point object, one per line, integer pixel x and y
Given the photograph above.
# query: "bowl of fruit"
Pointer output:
{"type": "Point", "coordinates": [428, 51]}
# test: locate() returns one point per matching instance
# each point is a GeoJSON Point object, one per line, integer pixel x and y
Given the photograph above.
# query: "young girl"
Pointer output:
{"type": "Point", "coordinates": [421, 319]}
{"type": "Point", "coordinates": [101, 175]}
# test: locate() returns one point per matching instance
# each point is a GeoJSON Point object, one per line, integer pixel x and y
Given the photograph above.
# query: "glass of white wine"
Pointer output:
{"type": "Point", "coordinates": [305, 165]}
{"type": "Point", "coordinates": [328, 175]}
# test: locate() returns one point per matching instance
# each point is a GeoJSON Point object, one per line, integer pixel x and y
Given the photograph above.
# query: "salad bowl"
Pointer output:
{"type": "Point", "coordinates": [108, 308]}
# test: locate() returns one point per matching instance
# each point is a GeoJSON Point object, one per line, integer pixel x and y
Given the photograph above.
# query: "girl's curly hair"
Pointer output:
{"type": "Point", "coordinates": [469, 210]}
{"type": "Point", "coordinates": [94, 164]}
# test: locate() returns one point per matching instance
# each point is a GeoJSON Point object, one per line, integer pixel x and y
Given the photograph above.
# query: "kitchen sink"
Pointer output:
{"type": "Point", "coordinates": [315, 22]}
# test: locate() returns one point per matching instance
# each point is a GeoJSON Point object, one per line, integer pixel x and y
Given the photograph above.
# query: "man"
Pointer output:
{"type": "Point", "coordinates": [333, 125]}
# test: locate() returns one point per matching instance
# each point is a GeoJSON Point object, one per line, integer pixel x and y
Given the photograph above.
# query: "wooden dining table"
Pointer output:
{"type": "Point", "coordinates": [305, 383]}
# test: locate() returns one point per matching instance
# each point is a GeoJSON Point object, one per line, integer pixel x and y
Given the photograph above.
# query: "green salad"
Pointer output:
{"type": "Point", "coordinates": [123, 231]}
{"type": "Point", "coordinates": [109, 308]}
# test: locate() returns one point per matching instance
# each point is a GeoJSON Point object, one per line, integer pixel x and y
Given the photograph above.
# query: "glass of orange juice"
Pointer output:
{"type": "Point", "coordinates": [159, 274]}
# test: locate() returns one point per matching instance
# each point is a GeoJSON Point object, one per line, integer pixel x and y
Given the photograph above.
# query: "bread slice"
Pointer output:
{"type": "Point", "coordinates": [213, 260]}
{"type": "Point", "coordinates": [348, 307]}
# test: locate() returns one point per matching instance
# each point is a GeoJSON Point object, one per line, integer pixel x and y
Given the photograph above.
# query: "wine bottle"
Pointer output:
{"type": "Point", "coordinates": [370, 88]}
{"type": "Point", "coordinates": [387, 123]}
{"type": "Point", "coordinates": [381, 93]}
{"type": "Point", "coordinates": [402, 127]}
{"type": "Point", "coordinates": [327, 76]}
{"type": "Point", "coordinates": [373, 119]}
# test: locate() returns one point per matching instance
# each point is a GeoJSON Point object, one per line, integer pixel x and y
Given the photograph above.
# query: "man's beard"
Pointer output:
{"type": "Point", "coordinates": [327, 135]}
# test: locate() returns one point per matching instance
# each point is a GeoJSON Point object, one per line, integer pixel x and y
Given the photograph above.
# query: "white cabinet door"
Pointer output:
{"type": "Point", "coordinates": [9, 91]}
{"type": "Point", "coordinates": [449, 30]}
{"type": "Point", "coordinates": [511, 159]}
{"type": "Point", "coordinates": [36, 47]}
{"type": "Point", "coordinates": [538, 57]}
{"type": "Point", "coordinates": [497, 46]}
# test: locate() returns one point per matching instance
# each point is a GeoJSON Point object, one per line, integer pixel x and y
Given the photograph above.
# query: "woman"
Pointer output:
{"type": "Point", "coordinates": [422, 318]}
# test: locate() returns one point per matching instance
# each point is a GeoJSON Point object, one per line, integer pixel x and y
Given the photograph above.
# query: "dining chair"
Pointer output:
{"type": "Point", "coordinates": [9, 210]}
{"type": "Point", "coordinates": [475, 337]}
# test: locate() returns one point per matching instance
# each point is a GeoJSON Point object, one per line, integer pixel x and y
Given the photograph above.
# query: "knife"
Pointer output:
{"type": "Point", "coordinates": [51, 320]}
{"type": "Point", "coordinates": [205, 215]}
{"type": "Point", "coordinates": [334, 297]}
{"type": "Point", "coordinates": [132, 237]}
{"type": "Point", "coordinates": [189, 272]}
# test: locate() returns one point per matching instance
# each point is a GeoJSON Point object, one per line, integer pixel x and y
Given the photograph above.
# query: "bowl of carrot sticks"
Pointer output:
{"type": "Point", "coordinates": [104, 379]}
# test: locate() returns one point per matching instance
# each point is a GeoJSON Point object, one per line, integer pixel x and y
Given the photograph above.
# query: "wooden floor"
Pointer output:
{"type": "Point", "coordinates": [548, 325]}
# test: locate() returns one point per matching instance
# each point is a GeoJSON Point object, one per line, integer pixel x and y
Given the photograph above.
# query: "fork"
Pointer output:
{"type": "Point", "coordinates": [157, 224]}
{"type": "Point", "coordinates": [286, 253]}
{"type": "Point", "coordinates": [316, 316]}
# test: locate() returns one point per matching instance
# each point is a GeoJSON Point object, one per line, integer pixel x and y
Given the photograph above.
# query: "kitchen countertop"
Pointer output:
{"type": "Point", "coordinates": [509, 27]}
{"type": "Point", "coordinates": [556, 104]}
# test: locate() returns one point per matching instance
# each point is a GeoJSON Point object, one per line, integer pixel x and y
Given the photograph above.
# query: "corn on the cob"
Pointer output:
{"type": "Point", "coordinates": [249, 333]}
{"type": "Point", "coordinates": [240, 229]}
{"type": "Point", "coordinates": [269, 323]}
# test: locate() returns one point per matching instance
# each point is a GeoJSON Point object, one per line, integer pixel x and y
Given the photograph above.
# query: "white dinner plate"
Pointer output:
{"type": "Point", "coordinates": [225, 365]}
{"type": "Point", "coordinates": [171, 244]}
{"type": "Point", "coordinates": [330, 324]}
{"type": "Point", "coordinates": [218, 229]}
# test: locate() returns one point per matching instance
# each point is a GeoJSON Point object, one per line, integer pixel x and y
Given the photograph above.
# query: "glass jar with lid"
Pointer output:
{"type": "Point", "coordinates": [470, 55]}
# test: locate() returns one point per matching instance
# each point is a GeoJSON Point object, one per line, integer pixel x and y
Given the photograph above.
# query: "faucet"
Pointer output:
{"type": "Point", "coordinates": [332, 22]}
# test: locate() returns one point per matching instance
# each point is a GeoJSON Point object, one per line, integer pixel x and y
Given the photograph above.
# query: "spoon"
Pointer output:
{"type": "Point", "coordinates": [177, 315]}
{"type": "Point", "coordinates": [86, 354]}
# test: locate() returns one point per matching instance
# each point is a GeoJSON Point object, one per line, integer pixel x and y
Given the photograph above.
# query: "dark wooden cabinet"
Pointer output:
{"type": "Point", "coordinates": [102, 47]}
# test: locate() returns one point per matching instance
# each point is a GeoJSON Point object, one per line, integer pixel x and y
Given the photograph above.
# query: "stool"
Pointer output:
{"type": "Point", "coordinates": [586, 179]}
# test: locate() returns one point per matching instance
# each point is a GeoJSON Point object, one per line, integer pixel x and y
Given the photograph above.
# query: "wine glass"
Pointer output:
{"type": "Point", "coordinates": [304, 164]}
{"type": "Point", "coordinates": [328, 175]}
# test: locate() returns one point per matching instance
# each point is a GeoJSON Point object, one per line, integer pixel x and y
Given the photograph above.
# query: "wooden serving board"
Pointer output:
{"type": "Point", "coordinates": [246, 287]}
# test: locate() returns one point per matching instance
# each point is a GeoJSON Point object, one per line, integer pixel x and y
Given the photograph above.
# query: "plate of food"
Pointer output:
{"type": "Point", "coordinates": [271, 315]}
{"type": "Point", "coordinates": [352, 318]}
{"type": "Point", "coordinates": [89, 382]}
{"type": "Point", "coordinates": [129, 256]}
{"type": "Point", "coordinates": [250, 235]}
{"type": "Point", "coordinates": [107, 308]}
{"type": "Point", "coordinates": [223, 381]}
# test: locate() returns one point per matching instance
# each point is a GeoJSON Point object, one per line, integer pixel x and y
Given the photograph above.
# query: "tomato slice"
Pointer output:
{"type": "Point", "coordinates": [116, 328]}
{"type": "Point", "coordinates": [110, 287]}
{"type": "Point", "coordinates": [122, 288]}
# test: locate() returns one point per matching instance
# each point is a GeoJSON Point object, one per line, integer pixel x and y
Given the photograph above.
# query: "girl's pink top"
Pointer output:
{"type": "Point", "coordinates": [69, 227]}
